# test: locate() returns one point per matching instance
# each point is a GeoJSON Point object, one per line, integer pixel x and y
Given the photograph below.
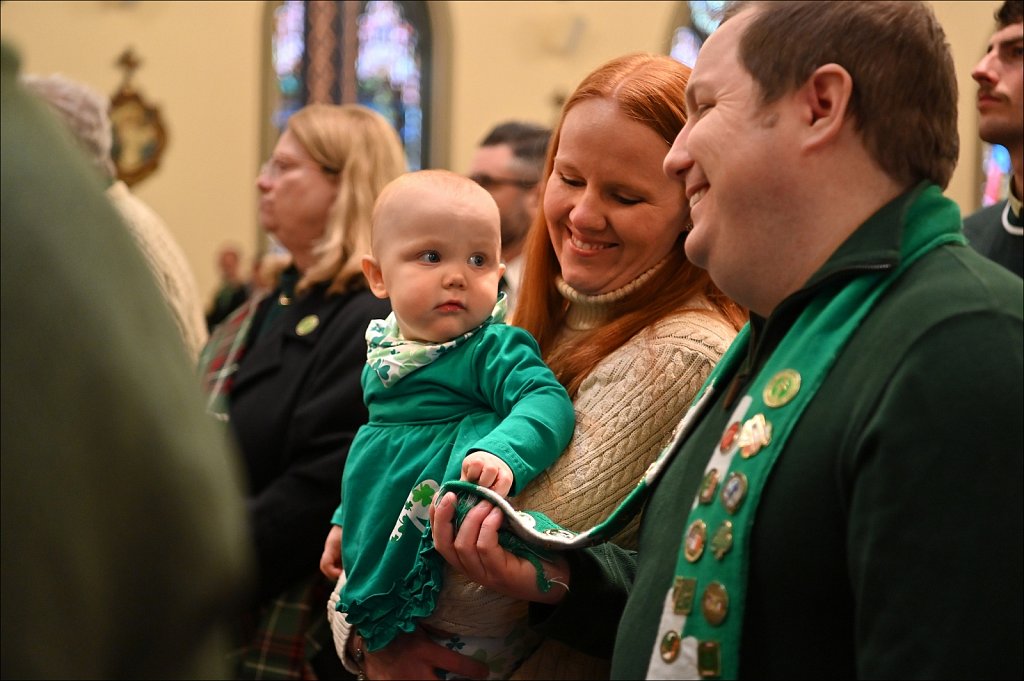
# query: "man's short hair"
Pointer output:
{"type": "Point", "coordinates": [1011, 12]}
{"type": "Point", "coordinates": [529, 141]}
{"type": "Point", "coordinates": [904, 101]}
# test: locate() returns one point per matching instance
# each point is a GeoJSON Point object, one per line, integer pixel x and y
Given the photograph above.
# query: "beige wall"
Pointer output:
{"type": "Point", "coordinates": [200, 66]}
{"type": "Point", "coordinates": [513, 58]}
{"type": "Point", "coordinates": [496, 60]}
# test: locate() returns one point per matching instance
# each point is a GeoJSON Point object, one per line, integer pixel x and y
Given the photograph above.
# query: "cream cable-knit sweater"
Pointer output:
{"type": "Point", "coordinates": [168, 264]}
{"type": "Point", "coordinates": [625, 412]}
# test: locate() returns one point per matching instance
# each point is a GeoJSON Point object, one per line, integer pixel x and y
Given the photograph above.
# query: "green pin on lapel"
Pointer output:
{"type": "Point", "coordinates": [782, 388]}
{"type": "Point", "coordinates": [307, 325]}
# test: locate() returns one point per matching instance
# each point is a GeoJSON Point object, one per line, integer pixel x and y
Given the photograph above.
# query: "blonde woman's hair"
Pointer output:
{"type": "Point", "coordinates": [364, 149]}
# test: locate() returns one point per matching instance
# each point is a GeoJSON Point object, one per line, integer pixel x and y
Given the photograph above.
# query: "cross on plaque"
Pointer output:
{"type": "Point", "coordinates": [128, 62]}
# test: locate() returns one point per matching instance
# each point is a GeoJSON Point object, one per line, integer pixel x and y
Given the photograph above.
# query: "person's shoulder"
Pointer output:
{"type": "Point", "coordinates": [985, 215]}
{"type": "Point", "coordinates": [978, 225]}
{"type": "Point", "coordinates": [358, 301]}
{"type": "Point", "coordinates": [505, 335]}
{"type": "Point", "coordinates": [955, 281]}
{"type": "Point", "coordinates": [701, 322]}
{"type": "Point", "coordinates": [349, 312]}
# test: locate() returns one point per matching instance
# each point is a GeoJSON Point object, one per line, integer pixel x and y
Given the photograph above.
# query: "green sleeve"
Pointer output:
{"type": "Point", "coordinates": [588, 617]}
{"type": "Point", "coordinates": [538, 416]}
{"type": "Point", "coordinates": [936, 517]}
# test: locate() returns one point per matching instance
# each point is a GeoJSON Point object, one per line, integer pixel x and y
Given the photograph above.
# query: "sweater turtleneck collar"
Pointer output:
{"type": "Point", "coordinates": [588, 312]}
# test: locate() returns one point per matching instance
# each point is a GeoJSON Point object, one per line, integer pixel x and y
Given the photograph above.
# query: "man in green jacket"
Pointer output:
{"type": "Point", "coordinates": [125, 547]}
{"type": "Point", "coordinates": [846, 498]}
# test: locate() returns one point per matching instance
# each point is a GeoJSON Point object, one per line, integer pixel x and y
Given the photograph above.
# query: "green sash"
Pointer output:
{"type": "Point", "coordinates": [702, 617]}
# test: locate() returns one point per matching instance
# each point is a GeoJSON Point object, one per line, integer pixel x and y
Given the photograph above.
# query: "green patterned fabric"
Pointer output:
{"type": "Point", "coordinates": [392, 357]}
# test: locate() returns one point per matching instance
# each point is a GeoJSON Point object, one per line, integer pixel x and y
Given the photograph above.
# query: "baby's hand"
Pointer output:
{"type": "Point", "coordinates": [487, 470]}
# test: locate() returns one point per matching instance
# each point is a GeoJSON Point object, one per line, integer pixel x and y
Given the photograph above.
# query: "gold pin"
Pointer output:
{"type": "Point", "coordinates": [307, 325]}
{"type": "Point", "coordinates": [734, 491]}
{"type": "Point", "coordinates": [709, 659]}
{"type": "Point", "coordinates": [696, 535]}
{"type": "Point", "coordinates": [782, 388]}
{"type": "Point", "coordinates": [715, 603]}
{"type": "Point", "coordinates": [708, 486]}
{"type": "Point", "coordinates": [670, 645]}
{"type": "Point", "coordinates": [683, 591]}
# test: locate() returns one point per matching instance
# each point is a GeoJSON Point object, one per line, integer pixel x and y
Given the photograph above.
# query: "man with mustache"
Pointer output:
{"type": "Point", "coordinates": [997, 231]}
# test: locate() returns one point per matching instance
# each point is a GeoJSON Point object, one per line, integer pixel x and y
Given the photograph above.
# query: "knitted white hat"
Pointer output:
{"type": "Point", "coordinates": [84, 111]}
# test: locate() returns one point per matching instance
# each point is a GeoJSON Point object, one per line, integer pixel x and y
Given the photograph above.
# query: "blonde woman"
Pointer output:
{"type": "Point", "coordinates": [283, 370]}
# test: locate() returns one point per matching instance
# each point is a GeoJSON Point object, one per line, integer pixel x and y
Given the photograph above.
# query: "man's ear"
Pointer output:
{"type": "Point", "coordinates": [825, 98]}
{"type": "Point", "coordinates": [371, 270]}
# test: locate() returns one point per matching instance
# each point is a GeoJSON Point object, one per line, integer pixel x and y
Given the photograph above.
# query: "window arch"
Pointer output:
{"type": "Point", "coordinates": [377, 53]}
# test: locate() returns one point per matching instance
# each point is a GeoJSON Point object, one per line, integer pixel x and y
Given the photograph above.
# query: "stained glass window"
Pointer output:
{"type": "Point", "coordinates": [375, 53]}
{"type": "Point", "coordinates": [700, 20]}
{"type": "Point", "coordinates": [996, 172]}
{"type": "Point", "coordinates": [288, 46]}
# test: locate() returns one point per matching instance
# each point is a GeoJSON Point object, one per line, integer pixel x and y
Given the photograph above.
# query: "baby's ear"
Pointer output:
{"type": "Point", "coordinates": [371, 270]}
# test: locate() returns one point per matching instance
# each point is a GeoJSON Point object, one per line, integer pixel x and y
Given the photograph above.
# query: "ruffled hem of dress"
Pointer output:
{"type": "Point", "coordinates": [383, 616]}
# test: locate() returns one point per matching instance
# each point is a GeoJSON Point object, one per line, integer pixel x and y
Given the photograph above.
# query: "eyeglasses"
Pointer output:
{"type": "Point", "coordinates": [276, 167]}
{"type": "Point", "coordinates": [488, 182]}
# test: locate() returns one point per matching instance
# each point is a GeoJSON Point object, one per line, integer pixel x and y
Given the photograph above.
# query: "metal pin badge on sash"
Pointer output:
{"type": "Point", "coordinates": [683, 591]}
{"type": "Point", "coordinates": [696, 536]}
{"type": "Point", "coordinates": [734, 491]}
{"type": "Point", "coordinates": [714, 604]}
{"type": "Point", "coordinates": [709, 659]}
{"type": "Point", "coordinates": [721, 540]}
{"type": "Point", "coordinates": [307, 325]}
{"type": "Point", "coordinates": [755, 434]}
{"type": "Point", "coordinates": [670, 645]}
{"type": "Point", "coordinates": [782, 388]}
{"type": "Point", "coordinates": [729, 437]}
{"type": "Point", "coordinates": [708, 486]}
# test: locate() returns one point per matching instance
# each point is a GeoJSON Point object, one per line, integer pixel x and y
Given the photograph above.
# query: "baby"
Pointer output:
{"type": "Point", "coordinates": [453, 393]}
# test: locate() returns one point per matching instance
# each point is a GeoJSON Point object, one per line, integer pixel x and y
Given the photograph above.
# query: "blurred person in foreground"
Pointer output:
{"type": "Point", "coordinates": [85, 113]}
{"type": "Point", "coordinates": [124, 547]}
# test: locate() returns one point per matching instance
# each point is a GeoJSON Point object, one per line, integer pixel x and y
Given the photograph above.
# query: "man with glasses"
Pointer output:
{"type": "Point", "coordinates": [508, 164]}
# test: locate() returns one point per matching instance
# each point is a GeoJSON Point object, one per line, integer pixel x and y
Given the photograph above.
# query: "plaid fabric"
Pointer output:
{"type": "Point", "coordinates": [220, 357]}
{"type": "Point", "coordinates": [286, 634]}
{"type": "Point", "coordinates": [280, 639]}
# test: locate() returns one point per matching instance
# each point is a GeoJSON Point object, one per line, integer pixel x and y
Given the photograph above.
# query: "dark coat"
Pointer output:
{"type": "Point", "coordinates": [295, 405]}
